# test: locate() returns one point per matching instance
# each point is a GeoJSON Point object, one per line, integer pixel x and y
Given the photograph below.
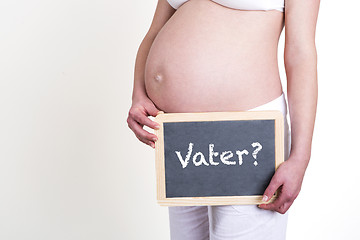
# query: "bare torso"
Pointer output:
{"type": "Point", "coordinates": [208, 57]}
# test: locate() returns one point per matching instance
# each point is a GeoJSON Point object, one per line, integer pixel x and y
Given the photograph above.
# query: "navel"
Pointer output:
{"type": "Point", "coordinates": [158, 77]}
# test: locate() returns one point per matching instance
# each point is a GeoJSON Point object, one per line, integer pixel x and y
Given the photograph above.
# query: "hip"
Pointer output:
{"type": "Point", "coordinates": [279, 104]}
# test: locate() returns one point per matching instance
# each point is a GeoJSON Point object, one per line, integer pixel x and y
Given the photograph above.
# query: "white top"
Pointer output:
{"type": "Point", "coordinates": [241, 4]}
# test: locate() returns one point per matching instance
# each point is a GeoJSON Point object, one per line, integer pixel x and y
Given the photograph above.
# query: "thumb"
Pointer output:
{"type": "Point", "coordinates": [152, 110]}
{"type": "Point", "coordinates": [271, 189]}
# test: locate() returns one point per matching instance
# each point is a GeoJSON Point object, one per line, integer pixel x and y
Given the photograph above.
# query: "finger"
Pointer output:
{"type": "Point", "coordinates": [143, 135]}
{"type": "Point", "coordinates": [152, 110]}
{"type": "Point", "coordinates": [148, 142]}
{"type": "Point", "coordinates": [269, 206]}
{"type": "Point", "coordinates": [143, 119]}
{"type": "Point", "coordinates": [274, 184]}
{"type": "Point", "coordinates": [280, 208]}
{"type": "Point", "coordinates": [148, 122]}
{"type": "Point", "coordinates": [285, 201]}
{"type": "Point", "coordinates": [140, 132]}
{"type": "Point", "coordinates": [277, 205]}
{"type": "Point", "coordinates": [283, 208]}
{"type": "Point", "coordinates": [274, 206]}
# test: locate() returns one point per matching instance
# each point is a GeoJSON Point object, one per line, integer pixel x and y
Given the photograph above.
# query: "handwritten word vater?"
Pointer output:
{"type": "Point", "coordinates": [224, 156]}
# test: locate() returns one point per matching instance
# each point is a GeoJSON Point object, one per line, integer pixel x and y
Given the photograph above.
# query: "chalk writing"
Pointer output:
{"type": "Point", "coordinates": [199, 159]}
{"type": "Point", "coordinates": [258, 148]}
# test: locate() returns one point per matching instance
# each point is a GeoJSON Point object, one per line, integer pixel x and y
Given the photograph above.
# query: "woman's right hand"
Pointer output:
{"type": "Point", "coordinates": [138, 117]}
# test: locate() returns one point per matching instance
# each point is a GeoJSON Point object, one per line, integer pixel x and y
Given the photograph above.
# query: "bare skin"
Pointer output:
{"type": "Point", "coordinates": [207, 57]}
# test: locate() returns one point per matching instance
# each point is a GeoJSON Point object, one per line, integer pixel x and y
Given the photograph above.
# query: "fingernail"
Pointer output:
{"type": "Point", "coordinates": [154, 139]}
{"type": "Point", "coordinates": [265, 198]}
{"type": "Point", "coordinates": [157, 126]}
{"type": "Point", "coordinates": [152, 145]}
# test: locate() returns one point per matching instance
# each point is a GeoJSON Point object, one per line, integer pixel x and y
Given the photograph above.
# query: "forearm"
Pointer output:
{"type": "Point", "coordinates": [302, 89]}
{"type": "Point", "coordinates": [142, 107]}
{"type": "Point", "coordinates": [139, 72]}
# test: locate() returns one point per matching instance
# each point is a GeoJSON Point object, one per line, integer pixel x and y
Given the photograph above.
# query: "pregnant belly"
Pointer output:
{"type": "Point", "coordinates": [208, 57]}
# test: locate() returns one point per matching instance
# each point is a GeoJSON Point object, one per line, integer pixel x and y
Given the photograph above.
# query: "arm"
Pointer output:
{"type": "Point", "coordinates": [300, 60]}
{"type": "Point", "coordinates": [142, 106]}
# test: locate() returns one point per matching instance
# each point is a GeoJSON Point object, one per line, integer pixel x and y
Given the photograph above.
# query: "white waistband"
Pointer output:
{"type": "Point", "coordinates": [278, 103]}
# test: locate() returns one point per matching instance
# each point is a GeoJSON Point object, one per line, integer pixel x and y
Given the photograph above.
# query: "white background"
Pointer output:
{"type": "Point", "coordinates": [71, 169]}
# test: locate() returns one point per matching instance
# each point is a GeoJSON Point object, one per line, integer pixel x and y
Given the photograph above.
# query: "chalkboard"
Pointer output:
{"type": "Point", "coordinates": [217, 158]}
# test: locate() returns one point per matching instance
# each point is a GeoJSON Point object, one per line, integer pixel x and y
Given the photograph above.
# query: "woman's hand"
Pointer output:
{"type": "Point", "coordinates": [138, 117]}
{"type": "Point", "coordinates": [288, 179]}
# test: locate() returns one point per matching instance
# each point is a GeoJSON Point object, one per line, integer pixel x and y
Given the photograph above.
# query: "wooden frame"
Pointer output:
{"type": "Point", "coordinates": [213, 116]}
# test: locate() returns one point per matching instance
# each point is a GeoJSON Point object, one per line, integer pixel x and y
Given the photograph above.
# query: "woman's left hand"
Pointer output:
{"type": "Point", "coordinates": [288, 179]}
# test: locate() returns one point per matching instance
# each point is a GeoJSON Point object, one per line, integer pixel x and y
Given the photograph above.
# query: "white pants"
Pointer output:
{"type": "Point", "coordinates": [235, 222]}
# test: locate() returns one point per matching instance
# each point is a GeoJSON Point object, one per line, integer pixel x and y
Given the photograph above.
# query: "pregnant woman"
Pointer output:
{"type": "Point", "coordinates": [221, 55]}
